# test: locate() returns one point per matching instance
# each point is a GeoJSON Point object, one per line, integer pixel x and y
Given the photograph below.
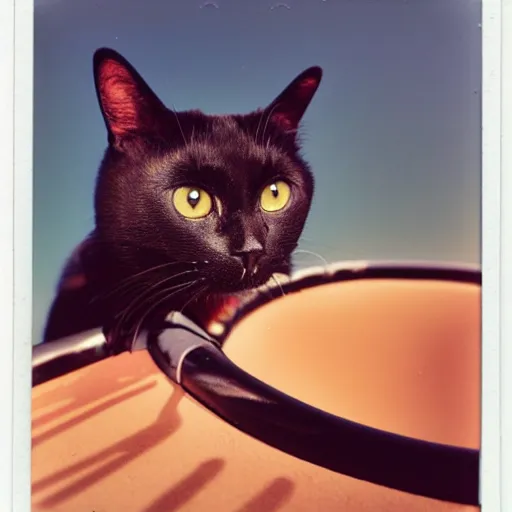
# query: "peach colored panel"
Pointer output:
{"type": "Point", "coordinates": [403, 356]}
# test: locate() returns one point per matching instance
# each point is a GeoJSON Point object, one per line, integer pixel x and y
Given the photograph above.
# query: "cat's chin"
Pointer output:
{"type": "Point", "coordinates": [243, 287]}
{"type": "Point", "coordinates": [217, 311]}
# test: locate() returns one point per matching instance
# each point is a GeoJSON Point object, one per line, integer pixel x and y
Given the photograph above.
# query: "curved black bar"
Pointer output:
{"type": "Point", "coordinates": [190, 357]}
{"type": "Point", "coordinates": [56, 358]}
{"type": "Point", "coordinates": [341, 272]}
{"type": "Point", "coordinates": [419, 467]}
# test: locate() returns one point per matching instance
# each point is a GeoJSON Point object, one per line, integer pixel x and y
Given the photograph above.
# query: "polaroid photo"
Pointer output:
{"type": "Point", "coordinates": [258, 256]}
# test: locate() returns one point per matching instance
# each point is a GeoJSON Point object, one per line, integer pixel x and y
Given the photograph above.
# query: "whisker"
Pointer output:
{"type": "Point", "coordinates": [319, 256]}
{"type": "Point", "coordinates": [159, 283]}
{"type": "Point", "coordinates": [317, 243]}
{"type": "Point", "coordinates": [259, 124]}
{"type": "Point", "coordinates": [195, 296]}
{"type": "Point", "coordinates": [174, 289]}
{"type": "Point", "coordinates": [149, 301]}
{"type": "Point", "coordinates": [179, 125]}
{"type": "Point", "coordinates": [133, 277]}
{"type": "Point", "coordinates": [123, 316]}
{"type": "Point", "coordinates": [153, 306]}
{"type": "Point", "coordinates": [129, 290]}
{"type": "Point", "coordinates": [278, 284]}
{"type": "Point", "coordinates": [268, 119]}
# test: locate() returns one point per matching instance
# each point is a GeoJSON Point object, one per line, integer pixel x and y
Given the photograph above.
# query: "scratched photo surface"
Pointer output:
{"type": "Point", "coordinates": [392, 135]}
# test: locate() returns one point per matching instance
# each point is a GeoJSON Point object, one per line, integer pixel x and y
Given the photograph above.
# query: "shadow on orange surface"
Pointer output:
{"type": "Point", "coordinates": [118, 435]}
{"type": "Point", "coordinates": [186, 488]}
{"type": "Point", "coordinates": [124, 451]}
{"type": "Point", "coordinates": [88, 385]}
{"type": "Point", "coordinates": [37, 439]}
{"type": "Point", "coordinates": [272, 498]}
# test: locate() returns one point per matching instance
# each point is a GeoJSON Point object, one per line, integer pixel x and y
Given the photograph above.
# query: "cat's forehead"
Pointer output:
{"type": "Point", "coordinates": [223, 143]}
{"type": "Point", "coordinates": [227, 134]}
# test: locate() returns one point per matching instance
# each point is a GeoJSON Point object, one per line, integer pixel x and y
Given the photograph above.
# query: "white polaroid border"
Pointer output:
{"type": "Point", "coordinates": [506, 260]}
{"type": "Point", "coordinates": [23, 206]}
{"type": "Point", "coordinates": [6, 251]}
{"type": "Point", "coordinates": [16, 90]}
{"type": "Point", "coordinates": [490, 455]}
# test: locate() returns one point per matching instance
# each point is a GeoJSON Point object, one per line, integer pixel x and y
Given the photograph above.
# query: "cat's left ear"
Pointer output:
{"type": "Point", "coordinates": [289, 107]}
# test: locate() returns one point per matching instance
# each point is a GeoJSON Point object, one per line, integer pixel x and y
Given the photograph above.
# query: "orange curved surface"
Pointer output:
{"type": "Point", "coordinates": [397, 355]}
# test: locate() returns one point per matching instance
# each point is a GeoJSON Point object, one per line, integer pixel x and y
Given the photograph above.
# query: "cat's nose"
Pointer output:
{"type": "Point", "coordinates": [250, 254]}
{"type": "Point", "coordinates": [250, 261]}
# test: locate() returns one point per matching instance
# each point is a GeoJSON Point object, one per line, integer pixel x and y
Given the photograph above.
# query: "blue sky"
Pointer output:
{"type": "Point", "coordinates": [393, 134]}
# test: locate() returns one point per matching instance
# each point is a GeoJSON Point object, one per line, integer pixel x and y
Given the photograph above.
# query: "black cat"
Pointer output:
{"type": "Point", "coordinates": [190, 209]}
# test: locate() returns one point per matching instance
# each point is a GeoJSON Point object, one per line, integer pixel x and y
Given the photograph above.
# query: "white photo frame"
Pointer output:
{"type": "Point", "coordinates": [16, 84]}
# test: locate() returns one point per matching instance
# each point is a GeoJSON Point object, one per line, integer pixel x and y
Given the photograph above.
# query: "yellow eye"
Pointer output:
{"type": "Point", "coordinates": [192, 202]}
{"type": "Point", "coordinates": [275, 196]}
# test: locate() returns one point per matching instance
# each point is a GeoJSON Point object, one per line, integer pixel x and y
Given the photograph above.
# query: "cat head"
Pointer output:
{"type": "Point", "coordinates": [227, 194]}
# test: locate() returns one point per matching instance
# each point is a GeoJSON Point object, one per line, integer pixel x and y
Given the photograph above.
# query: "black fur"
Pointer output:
{"type": "Point", "coordinates": [152, 151]}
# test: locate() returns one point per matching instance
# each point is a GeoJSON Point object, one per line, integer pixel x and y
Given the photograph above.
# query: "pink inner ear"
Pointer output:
{"type": "Point", "coordinates": [289, 116]}
{"type": "Point", "coordinates": [285, 120]}
{"type": "Point", "coordinates": [307, 88]}
{"type": "Point", "coordinates": [119, 97]}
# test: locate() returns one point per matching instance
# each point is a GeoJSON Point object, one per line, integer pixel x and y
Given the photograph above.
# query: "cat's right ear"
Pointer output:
{"type": "Point", "coordinates": [289, 107]}
{"type": "Point", "coordinates": [129, 107]}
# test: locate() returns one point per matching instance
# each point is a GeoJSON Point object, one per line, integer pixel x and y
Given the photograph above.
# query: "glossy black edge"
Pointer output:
{"type": "Point", "coordinates": [330, 274]}
{"type": "Point", "coordinates": [170, 344]}
{"type": "Point", "coordinates": [75, 357]}
{"type": "Point", "coordinates": [432, 470]}
{"type": "Point", "coordinates": [58, 358]}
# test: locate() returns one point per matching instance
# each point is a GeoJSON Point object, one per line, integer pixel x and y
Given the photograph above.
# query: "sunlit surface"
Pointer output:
{"type": "Point", "coordinates": [119, 436]}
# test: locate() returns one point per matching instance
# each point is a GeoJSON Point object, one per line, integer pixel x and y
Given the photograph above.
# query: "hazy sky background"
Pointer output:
{"type": "Point", "coordinates": [393, 134]}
